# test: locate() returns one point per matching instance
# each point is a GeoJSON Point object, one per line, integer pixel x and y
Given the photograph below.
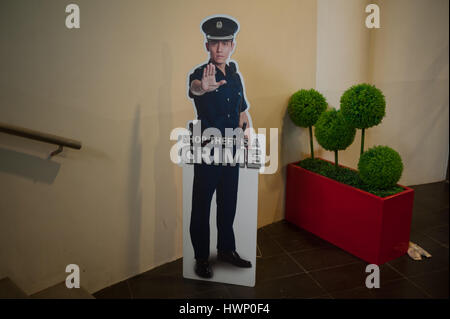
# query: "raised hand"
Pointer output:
{"type": "Point", "coordinates": [209, 78]}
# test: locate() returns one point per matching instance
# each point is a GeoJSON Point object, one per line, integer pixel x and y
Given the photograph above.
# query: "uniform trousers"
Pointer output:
{"type": "Point", "coordinates": [224, 181]}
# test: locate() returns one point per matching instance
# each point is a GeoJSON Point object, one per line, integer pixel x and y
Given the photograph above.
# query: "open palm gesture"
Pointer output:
{"type": "Point", "coordinates": [209, 78]}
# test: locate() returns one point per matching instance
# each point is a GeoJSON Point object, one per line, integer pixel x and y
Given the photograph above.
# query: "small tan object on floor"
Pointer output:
{"type": "Point", "coordinates": [416, 252]}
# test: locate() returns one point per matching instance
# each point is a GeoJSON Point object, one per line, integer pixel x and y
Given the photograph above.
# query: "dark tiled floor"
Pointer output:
{"type": "Point", "coordinates": [293, 263]}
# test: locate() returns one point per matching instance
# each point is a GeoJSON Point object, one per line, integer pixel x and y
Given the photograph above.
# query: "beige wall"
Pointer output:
{"type": "Point", "coordinates": [118, 85]}
{"type": "Point", "coordinates": [409, 63]}
{"type": "Point", "coordinates": [407, 58]}
{"type": "Point", "coordinates": [343, 43]}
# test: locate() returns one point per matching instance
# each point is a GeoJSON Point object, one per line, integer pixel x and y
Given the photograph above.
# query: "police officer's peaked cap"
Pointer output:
{"type": "Point", "coordinates": [219, 28]}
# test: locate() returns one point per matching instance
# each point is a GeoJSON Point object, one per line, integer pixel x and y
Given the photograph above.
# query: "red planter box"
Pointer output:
{"type": "Point", "coordinates": [372, 228]}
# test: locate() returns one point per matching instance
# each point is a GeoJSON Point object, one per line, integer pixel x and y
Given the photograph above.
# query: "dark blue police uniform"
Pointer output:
{"type": "Point", "coordinates": [219, 109]}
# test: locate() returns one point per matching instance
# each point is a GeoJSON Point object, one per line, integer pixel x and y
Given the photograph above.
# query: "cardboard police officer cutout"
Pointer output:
{"type": "Point", "coordinates": [220, 189]}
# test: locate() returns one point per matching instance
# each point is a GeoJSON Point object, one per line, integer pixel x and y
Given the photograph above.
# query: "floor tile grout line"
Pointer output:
{"type": "Point", "coordinates": [412, 282]}
{"type": "Point", "coordinates": [431, 210]}
{"type": "Point", "coordinates": [336, 266]}
{"type": "Point", "coordinates": [271, 256]}
{"type": "Point", "coordinates": [435, 240]}
{"type": "Point", "coordinates": [427, 273]}
{"type": "Point", "coordinates": [305, 250]}
{"type": "Point", "coordinates": [274, 238]}
{"type": "Point", "coordinates": [428, 228]}
{"type": "Point", "coordinates": [419, 287]}
{"type": "Point", "coordinates": [315, 297]}
{"type": "Point", "coordinates": [349, 290]}
{"type": "Point", "coordinates": [411, 279]}
{"type": "Point", "coordinates": [436, 226]}
{"type": "Point", "coordinates": [310, 276]}
{"type": "Point", "coordinates": [305, 271]}
{"type": "Point", "coordinates": [208, 291]}
{"type": "Point", "coordinates": [389, 281]}
{"type": "Point", "coordinates": [343, 265]}
{"type": "Point", "coordinates": [283, 252]}
{"type": "Point", "coordinates": [282, 277]}
{"type": "Point", "coordinates": [424, 229]}
{"type": "Point", "coordinates": [293, 252]}
{"type": "Point", "coordinates": [288, 253]}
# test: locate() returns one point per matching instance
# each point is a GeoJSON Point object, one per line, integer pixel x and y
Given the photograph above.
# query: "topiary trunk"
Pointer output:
{"type": "Point", "coordinates": [311, 142]}
{"type": "Point", "coordinates": [336, 159]}
{"type": "Point", "coordinates": [362, 141]}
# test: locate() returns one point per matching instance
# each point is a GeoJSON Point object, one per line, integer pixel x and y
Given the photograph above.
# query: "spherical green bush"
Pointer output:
{"type": "Point", "coordinates": [305, 107]}
{"type": "Point", "coordinates": [333, 132]}
{"type": "Point", "coordinates": [380, 167]}
{"type": "Point", "coordinates": [363, 105]}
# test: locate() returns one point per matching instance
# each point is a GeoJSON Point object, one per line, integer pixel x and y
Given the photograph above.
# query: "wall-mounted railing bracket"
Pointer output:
{"type": "Point", "coordinates": [59, 150]}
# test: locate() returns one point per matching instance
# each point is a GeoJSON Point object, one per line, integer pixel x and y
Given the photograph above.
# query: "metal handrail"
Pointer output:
{"type": "Point", "coordinates": [39, 136]}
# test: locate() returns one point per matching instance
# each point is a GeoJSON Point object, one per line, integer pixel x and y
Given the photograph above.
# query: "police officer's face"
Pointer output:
{"type": "Point", "coordinates": [220, 50]}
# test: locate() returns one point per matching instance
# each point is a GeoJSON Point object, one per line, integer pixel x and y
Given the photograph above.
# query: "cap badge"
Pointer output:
{"type": "Point", "coordinates": [219, 25]}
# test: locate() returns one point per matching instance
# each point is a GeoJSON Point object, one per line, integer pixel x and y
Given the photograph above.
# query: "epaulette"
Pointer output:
{"type": "Point", "coordinates": [233, 67]}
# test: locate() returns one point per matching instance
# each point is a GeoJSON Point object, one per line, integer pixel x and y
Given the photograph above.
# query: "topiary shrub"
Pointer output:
{"type": "Point", "coordinates": [304, 109]}
{"type": "Point", "coordinates": [363, 106]}
{"type": "Point", "coordinates": [334, 133]}
{"type": "Point", "coordinates": [380, 167]}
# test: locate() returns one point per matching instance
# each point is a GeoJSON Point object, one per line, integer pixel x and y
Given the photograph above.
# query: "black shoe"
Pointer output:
{"type": "Point", "coordinates": [233, 258]}
{"type": "Point", "coordinates": [203, 269]}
